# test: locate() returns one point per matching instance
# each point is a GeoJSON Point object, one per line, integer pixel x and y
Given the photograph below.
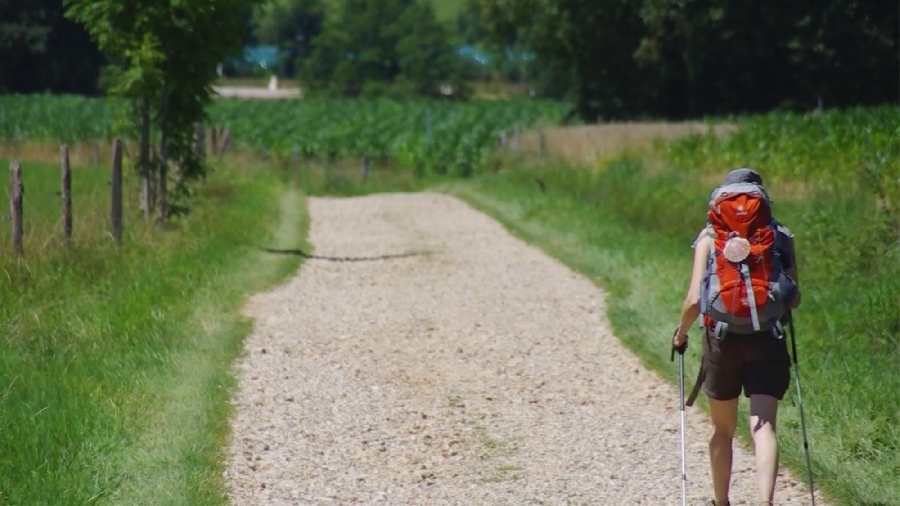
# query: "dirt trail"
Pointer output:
{"type": "Point", "coordinates": [480, 372]}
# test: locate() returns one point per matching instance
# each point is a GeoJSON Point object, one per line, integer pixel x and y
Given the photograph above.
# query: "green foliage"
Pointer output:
{"type": "Point", "coordinates": [42, 51]}
{"type": "Point", "coordinates": [163, 58]}
{"type": "Point", "coordinates": [427, 135]}
{"type": "Point", "coordinates": [287, 21]}
{"type": "Point", "coordinates": [59, 118]}
{"type": "Point", "coordinates": [292, 25]}
{"type": "Point", "coordinates": [372, 46]}
{"type": "Point", "coordinates": [116, 365]}
{"type": "Point", "coordinates": [856, 147]}
{"type": "Point", "coordinates": [721, 56]}
{"type": "Point", "coordinates": [626, 59]}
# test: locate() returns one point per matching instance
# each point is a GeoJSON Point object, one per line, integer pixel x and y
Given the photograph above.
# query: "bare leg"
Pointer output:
{"type": "Point", "coordinates": [724, 419]}
{"type": "Point", "coordinates": [763, 411]}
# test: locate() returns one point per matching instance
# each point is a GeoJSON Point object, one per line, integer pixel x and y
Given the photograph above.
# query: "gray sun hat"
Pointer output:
{"type": "Point", "coordinates": [745, 175]}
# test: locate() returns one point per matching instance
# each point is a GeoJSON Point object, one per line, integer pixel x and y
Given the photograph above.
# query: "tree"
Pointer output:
{"type": "Point", "coordinates": [290, 24]}
{"type": "Point", "coordinates": [592, 41]}
{"type": "Point", "coordinates": [374, 47]}
{"type": "Point", "coordinates": [726, 56]}
{"type": "Point", "coordinates": [689, 58]}
{"type": "Point", "coordinates": [163, 55]}
{"type": "Point", "coordinates": [425, 58]}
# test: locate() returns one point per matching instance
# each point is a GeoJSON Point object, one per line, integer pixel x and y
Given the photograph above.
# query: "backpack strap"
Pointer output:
{"type": "Point", "coordinates": [701, 377]}
{"type": "Point", "coordinates": [706, 234]}
{"type": "Point", "coordinates": [751, 298]}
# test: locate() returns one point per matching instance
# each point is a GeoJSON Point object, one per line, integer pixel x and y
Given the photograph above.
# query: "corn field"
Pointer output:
{"type": "Point", "coordinates": [432, 136]}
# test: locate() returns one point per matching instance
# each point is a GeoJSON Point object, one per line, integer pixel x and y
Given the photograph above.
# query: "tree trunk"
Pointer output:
{"type": "Point", "coordinates": [145, 158]}
{"type": "Point", "coordinates": [15, 204]}
{"type": "Point", "coordinates": [115, 214]}
{"type": "Point", "coordinates": [163, 160]}
{"type": "Point", "coordinates": [66, 193]}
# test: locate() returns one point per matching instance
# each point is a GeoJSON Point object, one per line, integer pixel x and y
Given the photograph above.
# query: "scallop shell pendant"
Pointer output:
{"type": "Point", "coordinates": [736, 249]}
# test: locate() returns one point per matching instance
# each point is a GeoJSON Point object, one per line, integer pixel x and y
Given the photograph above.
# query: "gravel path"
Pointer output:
{"type": "Point", "coordinates": [480, 372]}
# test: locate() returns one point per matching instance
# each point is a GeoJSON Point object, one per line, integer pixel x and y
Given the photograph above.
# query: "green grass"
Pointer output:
{"type": "Point", "coordinates": [836, 147]}
{"type": "Point", "coordinates": [115, 375]}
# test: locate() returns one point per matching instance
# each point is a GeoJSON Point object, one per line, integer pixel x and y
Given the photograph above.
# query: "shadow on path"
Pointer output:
{"type": "Point", "coordinates": [301, 253]}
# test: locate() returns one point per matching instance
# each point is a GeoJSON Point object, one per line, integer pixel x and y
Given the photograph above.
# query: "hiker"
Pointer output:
{"type": "Point", "coordinates": [743, 343]}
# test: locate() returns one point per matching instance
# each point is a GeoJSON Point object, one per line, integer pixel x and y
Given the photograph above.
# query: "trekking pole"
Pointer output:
{"type": "Point", "coordinates": [812, 494]}
{"type": "Point", "coordinates": [681, 351]}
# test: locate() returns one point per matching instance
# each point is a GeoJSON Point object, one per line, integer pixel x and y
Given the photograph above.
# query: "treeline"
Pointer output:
{"type": "Point", "coordinates": [43, 51]}
{"type": "Point", "coordinates": [385, 46]}
{"type": "Point", "coordinates": [364, 47]}
{"type": "Point", "coordinates": [613, 59]}
{"type": "Point", "coordinates": [688, 58]}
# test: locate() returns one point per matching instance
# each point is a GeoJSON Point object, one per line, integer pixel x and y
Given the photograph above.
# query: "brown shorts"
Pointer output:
{"type": "Point", "coordinates": [759, 363]}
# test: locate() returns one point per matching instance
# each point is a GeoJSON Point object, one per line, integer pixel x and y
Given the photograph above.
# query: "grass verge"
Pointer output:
{"type": "Point", "coordinates": [116, 371]}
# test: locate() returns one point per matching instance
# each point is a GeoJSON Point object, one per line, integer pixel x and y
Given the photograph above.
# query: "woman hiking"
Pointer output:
{"type": "Point", "coordinates": [743, 345]}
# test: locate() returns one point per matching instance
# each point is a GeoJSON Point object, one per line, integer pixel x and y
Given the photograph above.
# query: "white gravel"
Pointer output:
{"type": "Point", "coordinates": [481, 372]}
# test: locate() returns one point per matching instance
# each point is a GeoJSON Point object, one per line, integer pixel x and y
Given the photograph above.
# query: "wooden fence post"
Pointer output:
{"type": "Point", "coordinates": [542, 141]}
{"type": "Point", "coordinates": [163, 182]}
{"type": "Point", "coordinates": [66, 193]}
{"type": "Point", "coordinates": [364, 170]}
{"type": "Point", "coordinates": [226, 140]}
{"type": "Point", "coordinates": [201, 141]}
{"type": "Point", "coordinates": [502, 140]}
{"type": "Point", "coordinates": [16, 190]}
{"type": "Point", "coordinates": [116, 182]}
{"type": "Point", "coordinates": [214, 140]}
{"type": "Point", "coordinates": [95, 158]}
{"type": "Point", "coordinates": [429, 140]}
{"type": "Point", "coordinates": [151, 182]}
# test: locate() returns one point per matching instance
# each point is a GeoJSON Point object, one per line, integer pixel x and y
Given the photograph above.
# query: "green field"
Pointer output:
{"type": "Point", "coordinates": [432, 136]}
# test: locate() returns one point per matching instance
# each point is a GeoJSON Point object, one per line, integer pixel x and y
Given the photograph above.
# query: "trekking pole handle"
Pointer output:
{"type": "Point", "coordinates": [680, 349]}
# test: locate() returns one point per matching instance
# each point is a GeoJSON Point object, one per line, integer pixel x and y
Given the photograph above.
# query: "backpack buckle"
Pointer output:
{"type": "Point", "coordinates": [720, 330]}
{"type": "Point", "coordinates": [778, 330]}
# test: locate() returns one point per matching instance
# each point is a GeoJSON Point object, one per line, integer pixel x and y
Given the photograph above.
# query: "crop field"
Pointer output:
{"type": "Point", "coordinates": [829, 148]}
{"type": "Point", "coordinates": [433, 136]}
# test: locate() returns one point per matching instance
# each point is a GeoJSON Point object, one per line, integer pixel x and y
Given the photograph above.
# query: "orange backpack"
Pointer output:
{"type": "Point", "coordinates": [745, 288]}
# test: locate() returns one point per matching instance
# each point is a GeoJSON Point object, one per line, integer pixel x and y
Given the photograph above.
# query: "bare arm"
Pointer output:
{"type": "Point", "coordinates": [690, 309]}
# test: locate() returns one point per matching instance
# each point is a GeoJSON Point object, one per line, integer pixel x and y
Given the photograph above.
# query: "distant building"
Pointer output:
{"type": "Point", "coordinates": [259, 58]}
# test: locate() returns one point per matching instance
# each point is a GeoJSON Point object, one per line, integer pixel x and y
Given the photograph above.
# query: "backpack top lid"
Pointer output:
{"type": "Point", "coordinates": [742, 179]}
